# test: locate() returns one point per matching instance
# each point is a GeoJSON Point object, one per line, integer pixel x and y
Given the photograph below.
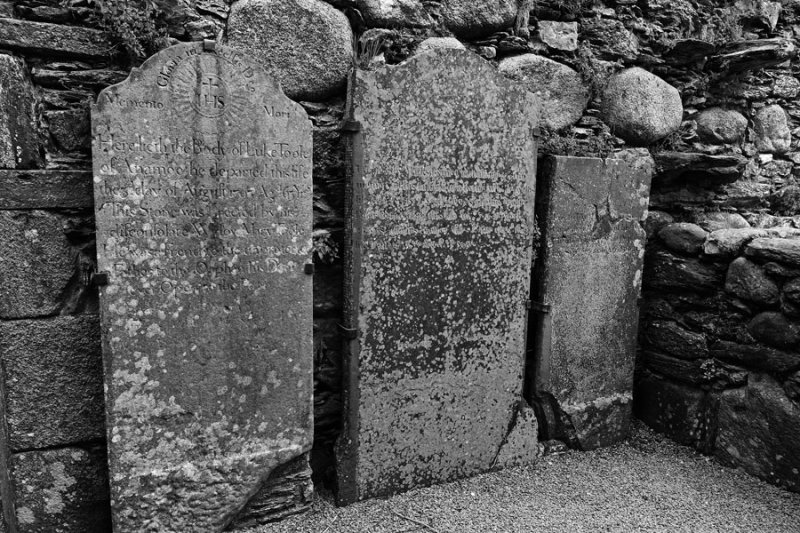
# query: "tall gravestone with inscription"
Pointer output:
{"type": "Point", "coordinates": [202, 177]}
{"type": "Point", "coordinates": [587, 283]}
{"type": "Point", "coordinates": [440, 229]}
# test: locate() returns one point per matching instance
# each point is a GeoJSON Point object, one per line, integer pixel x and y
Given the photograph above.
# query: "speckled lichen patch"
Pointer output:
{"type": "Point", "coordinates": [444, 182]}
{"type": "Point", "coordinates": [202, 171]}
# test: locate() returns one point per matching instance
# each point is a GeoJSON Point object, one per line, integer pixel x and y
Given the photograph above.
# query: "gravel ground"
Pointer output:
{"type": "Point", "coordinates": [647, 484]}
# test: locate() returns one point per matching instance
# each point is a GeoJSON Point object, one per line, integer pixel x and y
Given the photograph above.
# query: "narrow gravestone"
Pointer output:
{"type": "Point", "coordinates": [587, 283]}
{"type": "Point", "coordinates": [440, 231]}
{"type": "Point", "coordinates": [202, 175]}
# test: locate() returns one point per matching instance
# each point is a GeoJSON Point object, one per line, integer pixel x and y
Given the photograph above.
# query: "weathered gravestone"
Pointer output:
{"type": "Point", "coordinates": [203, 204]}
{"type": "Point", "coordinates": [587, 283]}
{"type": "Point", "coordinates": [440, 231]}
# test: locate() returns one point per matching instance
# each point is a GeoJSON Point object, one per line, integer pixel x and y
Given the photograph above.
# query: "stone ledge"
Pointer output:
{"type": "Point", "coordinates": [45, 189]}
{"type": "Point", "coordinates": [53, 39]}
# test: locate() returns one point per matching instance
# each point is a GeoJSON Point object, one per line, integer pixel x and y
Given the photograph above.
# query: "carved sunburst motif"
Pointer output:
{"type": "Point", "coordinates": [198, 87]}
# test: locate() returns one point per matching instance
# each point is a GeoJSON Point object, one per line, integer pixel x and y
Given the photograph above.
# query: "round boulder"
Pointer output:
{"type": "Point", "coordinates": [563, 93]}
{"type": "Point", "coordinates": [640, 107]}
{"type": "Point", "coordinates": [306, 44]}
{"type": "Point", "coordinates": [394, 13]}
{"type": "Point", "coordinates": [473, 18]}
{"type": "Point", "coordinates": [435, 43]}
{"type": "Point", "coordinates": [772, 130]}
{"type": "Point", "coordinates": [721, 126]}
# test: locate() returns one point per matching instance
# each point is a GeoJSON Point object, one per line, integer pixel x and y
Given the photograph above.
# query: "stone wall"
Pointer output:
{"type": "Point", "coordinates": [719, 117]}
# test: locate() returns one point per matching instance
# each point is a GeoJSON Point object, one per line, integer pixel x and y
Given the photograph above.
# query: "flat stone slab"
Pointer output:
{"type": "Point", "coordinates": [440, 226]}
{"type": "Point", "coordinates": [202, 182]}
{"type": "Point", "coordinates": [588, 277]}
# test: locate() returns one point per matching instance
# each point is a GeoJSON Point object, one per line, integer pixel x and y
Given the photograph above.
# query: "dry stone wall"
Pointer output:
{"type": "Point", "coordinates": [726, 160]}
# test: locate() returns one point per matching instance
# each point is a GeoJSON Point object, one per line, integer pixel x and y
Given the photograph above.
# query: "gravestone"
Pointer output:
{"type": "Point", "coordinates": [202, 176]}
{"type": "Point", "coordinates": [440, 231]}
{"type": "Point", "coordinates": [586, 288]}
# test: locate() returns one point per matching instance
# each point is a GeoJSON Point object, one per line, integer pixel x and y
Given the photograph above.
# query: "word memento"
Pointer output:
{"type": "Point", "coordinates": [588, 278]}
{"type": "Point", "coordinates": [440, 231]}
{"type": "Point", "coordinates": [202, 179]}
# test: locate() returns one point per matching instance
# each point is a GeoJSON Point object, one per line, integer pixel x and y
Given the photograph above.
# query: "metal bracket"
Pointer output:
{"type": "Point", "coordinates": [350, 126]}
{"type": "Point", "coordinates": [308, 268]}
{"type": "Point", "coordinates": [100, 279]}
{"type": "Point", "coordinates": [540, 307]}
{"type": "Point", "coordinates": [209, 45]}
{"type": "Point", "coordinates": [349, 333]}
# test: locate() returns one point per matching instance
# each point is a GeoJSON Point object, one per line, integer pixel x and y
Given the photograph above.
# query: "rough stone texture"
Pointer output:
{"type": "Point", "coordinates": [721, 220]}
{"type": "Point", "coordinates": [394, 13]}
{"type": "Point", "coordinates": [615, 40]}
{"type": "Point", "coordinates": [589, 273]}
{"type": "Point", "coordinates": [437, 271]}
{"type": "Point", "coordinates": [748, 281]}
{"type": "Point", "coordinates": [671, 338]}
{"type": "Point", "coordinates": [53, 381]}
{"type": "Point", "coordinates": [696, 168]}
{"type": "Point", "coordinates": [286, 492]}
{"type": "Point", "coordinates": [664, 271]}
{"type": "Point", "coordinates": [641, 107]}
{"type": "Point", "coordinates": [672, 408]}
{"type": "Point", "coordinates": [435, 43]}
{"type": "Point", "coordinates": [61, 491]}
{"type": "Point", "coordinates": [45, 189]}
{"type": "Point", "coordinates": [772, 130]}
{"type": "Point", "coordinates": [37, 264]}
{"type": "Point", "coordinates": [785, 251]}
{"type": "Point", "coordinates": [559, 35]}
{"type": "Point", "coordinates": [758, 430]}
{"type": "Point", "coordinates": [473, 18]}
{"type": "Point", "coordinates": [683, 237]}
{"type": "Point", "coordinates": [53, 39]}
{"type": "Point", "coordinates": [522, 442]}
{"type": "Point", "coordinates": [70, 129]}
{"type": "Point", "coordinates": [562, 91]}
{"type": "Point", "coordinates": [720, 126]}
{"type": "Point", "coordinates": [776, 362]}
{"type": "Point", "coordinates": [204, 231]}
{"type": "Point", "coordinates": [775, 330]}
{"type": "Point", "coordinates": [19, 141]}
{"type": "Point", "coordinates": [655, 221]}
{"type": "Point", "coordinates": [725, 243]}
{"type": "Point", "coordinates": [307, 45]}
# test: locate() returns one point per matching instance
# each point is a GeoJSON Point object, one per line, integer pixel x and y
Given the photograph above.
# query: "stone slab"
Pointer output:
{"type": "Point", "coordinates": [588, 277]}
{"type": "Point", "coordinates": [203, 205]}
{"type": "Point", "coordinates": [45, 189]}
{"type": "Point", "coordinates": [53, 381]}
{"type": "Point", "coordinates": [438, 253]}
{"type": "Point", "coordinates": [50, 40]}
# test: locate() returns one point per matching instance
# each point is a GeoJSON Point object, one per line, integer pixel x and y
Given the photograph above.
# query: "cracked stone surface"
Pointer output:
{"type": "Point", "coordinates": [437, 271]}
{"type": "Point", "coordinates": [204, 230]}
{"type": "Point", "coordinates": [589, 272]}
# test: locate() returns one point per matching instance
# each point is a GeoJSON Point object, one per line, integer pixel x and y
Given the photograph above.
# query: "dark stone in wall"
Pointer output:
{"type": "Point", "coordinates": [786, 251]}
{"type": "Point", "coordinates": [748, 281]}
{"type": "Point", "coordinates": [53, 40]}
{"type": "Point", "coordinates": [45, 189]}
{"type": "Point", "coordinates": [759, 428]}
{"type": "Point", "coordinates": [675, 340]}
{"type": "Point", "coordinates": [759, 357]}
{"type": "Point", "coordinates": [53, 381]}
{"type": "Point", "coordinates": [19, 136]}
{"type": "Point", "coordinates": [665, 271]}
{"type": "Point", "coordinates": [775, 330]}
{"type": "Point", "coordinates": [674, 409]}
{"type": "Point", "coordinates": [42, 271]}
{"type": "Point", "coordinates": [61, 491]}
{"type": "Point", "coordinates": [683, 237]}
